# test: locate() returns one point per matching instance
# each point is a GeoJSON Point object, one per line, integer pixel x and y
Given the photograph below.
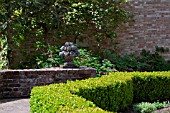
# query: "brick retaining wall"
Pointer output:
{"type": "Point", "coordinates": [18, 83]}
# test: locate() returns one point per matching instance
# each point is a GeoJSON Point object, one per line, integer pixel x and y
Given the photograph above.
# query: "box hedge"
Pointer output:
{"type": "Point", "coordinates": [108, 93]}
{"type": "Point", "coordinates": [151, 86]}
{"type": "Point", "coordinates": [57, 98]}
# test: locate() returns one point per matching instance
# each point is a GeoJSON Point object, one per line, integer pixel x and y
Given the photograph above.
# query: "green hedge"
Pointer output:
{"type": "Point", "coordinates": [57, 98]}
{"type": "Point", "coordinates": [151, 86]}
{"type": "Point", "coordinates": [112, 92]}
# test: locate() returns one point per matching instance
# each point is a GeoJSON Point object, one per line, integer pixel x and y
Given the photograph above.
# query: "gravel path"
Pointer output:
{"type": "Point", "coordinates": [14, 106]}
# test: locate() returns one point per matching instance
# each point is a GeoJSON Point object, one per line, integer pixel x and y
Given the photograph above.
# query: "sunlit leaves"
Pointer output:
{"type": "Point", "coordinates": [18, 12]}
{"type": "Point", "coordinates": [3, 52]}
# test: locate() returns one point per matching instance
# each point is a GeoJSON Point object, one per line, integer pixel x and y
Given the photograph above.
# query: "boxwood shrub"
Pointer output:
{"type": "Point", "coordinates": [109, 93]}
{"type": "Point", "coordinates": [58, 99]}
{"type": "Point", "coordinates": [151, 86]}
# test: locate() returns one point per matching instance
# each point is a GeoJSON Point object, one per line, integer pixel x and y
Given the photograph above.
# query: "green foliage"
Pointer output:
{"type": "Point", "coordinates": [151, 86]}
{"type": "Point", "coordinates": [57, 98]}
{"type": "Point", "coordinates": [129, 63]}
{"type": "Point", "coordinates": [3, 53]}
{"type": "Point", "coordinates": [95, 15]}
{"type": "Point", "coordinates": [160, 105]}
{"type": "Point", "coordinates": [112, 92]}
{"type": "Point", "coordinates": [146, 107]}
{"type": "Point", "coordinates": [108, 92]}
{"type": "Point", "coordinates": [47, 56]}
{"type": "Point", "coordinates": [63, 18]}
{"type": "Point", "coordinates": [161, 49]}
{"type": "Point", "coordinates": [22, 20]}
{"type": "Point", "coordinates": [146, 61]}
{"type": "Point", "coordinates": [154, 61]}
{"type": "Point", "coordinates": [86, 58]}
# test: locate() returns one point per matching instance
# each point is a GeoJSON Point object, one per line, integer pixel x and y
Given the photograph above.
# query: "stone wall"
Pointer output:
{"type": "Point", "coordinates": [18, 83]}
{"type": "Point", "coordinates": [150, 28]}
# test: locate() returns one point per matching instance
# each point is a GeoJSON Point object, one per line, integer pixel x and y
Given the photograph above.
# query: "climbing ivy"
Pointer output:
{"type": "Point", "coordinates": [20, 19]}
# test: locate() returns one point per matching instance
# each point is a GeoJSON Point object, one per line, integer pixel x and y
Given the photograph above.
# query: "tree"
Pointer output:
{"type": "Point", "coordinates": [63, 18]}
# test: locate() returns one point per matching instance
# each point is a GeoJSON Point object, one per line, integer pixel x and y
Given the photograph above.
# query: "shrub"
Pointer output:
{"type": "Point", "coordinates": [151, 86]}
{"type": "Point", "coordinates": [146, 61]}
{"type": "Point", "coordinates": [128, 63]}
{"type": "Point", "coordinates": [112, 92]}
{"type": "Point", "coordinates": [160, 105]}
{"type": "Point", "coordinates": [108, 92]}
{"type": "Point", "coordinates": [154, 61]}
{"type": "Point", "coordinates": [57, 98]}
{"type": "Point", "coordinates": [146, 107]}
{"type": "Point", "coordinates": [48, 56]}
{"type": "Point", "coordinates": [87, 58]}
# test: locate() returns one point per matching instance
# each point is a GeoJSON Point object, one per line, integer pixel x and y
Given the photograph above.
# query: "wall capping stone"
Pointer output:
{"type": "Point", "coordinates": [18, 83]}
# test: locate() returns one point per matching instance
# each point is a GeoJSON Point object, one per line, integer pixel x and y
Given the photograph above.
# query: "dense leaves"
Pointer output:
{"type": "Point", "coordinates": [69, 17]}
{"type": "Point", "coordinates": [108, 93]}
{"type": "Point", "coordinates": [48, 56]}
{"type": "Point", "coordinates": [113, 92]}
{"type": "Point", "coordinates": [3, 53]}
{"type": "Point", "coordinates": [146, 61]}
{"type": "Point", "coordinates": [87, 58]}
{"type": "Point", "coordinates": [60, 18]}
{"type": "Point", "coordinates": [151, 86]}
{"type": "Point", "coordinates": [146, 107]}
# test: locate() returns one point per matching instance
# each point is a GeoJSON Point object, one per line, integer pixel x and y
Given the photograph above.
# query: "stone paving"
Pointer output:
{"type": "Point", "coordinates": [22, 106]}
{"type": "Point", "coordinates": [15, 106]}
{"type": "Point", "coordinates": [163, 110]}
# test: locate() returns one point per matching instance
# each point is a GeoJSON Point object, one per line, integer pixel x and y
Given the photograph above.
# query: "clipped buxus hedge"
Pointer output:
{"type": "Point", "coordinates": [151, 86]}
{"type": "Point", "coordinates": [109, 93]}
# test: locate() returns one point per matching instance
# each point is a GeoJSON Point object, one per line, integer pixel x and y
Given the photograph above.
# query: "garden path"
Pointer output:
{"type": "Point", "coordinates": [23, 106]}
{"type": "Point", "coordinates": [15, 105]}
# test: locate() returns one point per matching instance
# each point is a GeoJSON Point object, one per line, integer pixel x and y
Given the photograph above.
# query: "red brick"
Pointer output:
{"type": "Point", "coordinates": [20, 85]}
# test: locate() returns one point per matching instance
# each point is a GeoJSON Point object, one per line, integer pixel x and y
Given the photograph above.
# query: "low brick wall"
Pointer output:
{"type": "Point", "coordinates": [18, 83]}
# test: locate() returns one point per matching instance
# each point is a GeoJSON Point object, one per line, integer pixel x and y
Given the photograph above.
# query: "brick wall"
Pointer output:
{"type": "Point", "coordinates": [151, 27]}
{"type": "Point", "coordinates": [18, 83]}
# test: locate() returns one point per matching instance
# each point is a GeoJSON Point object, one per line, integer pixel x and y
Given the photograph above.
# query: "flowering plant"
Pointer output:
{"type": "Point", "coordinates": [86, 58]}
